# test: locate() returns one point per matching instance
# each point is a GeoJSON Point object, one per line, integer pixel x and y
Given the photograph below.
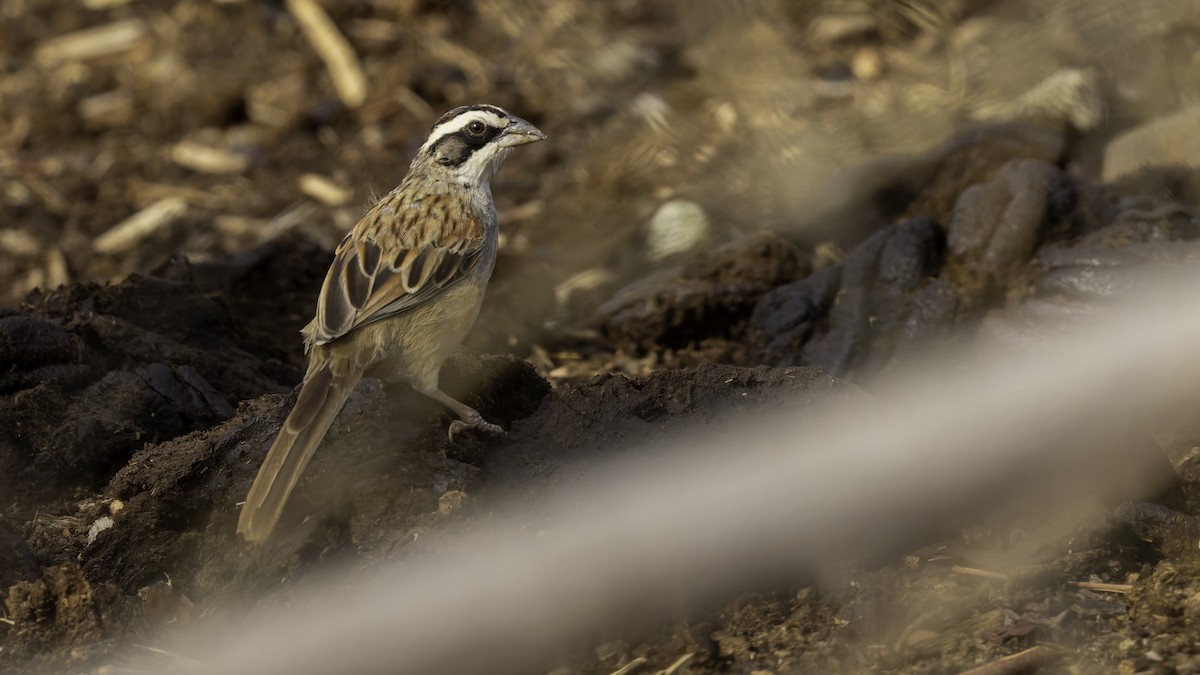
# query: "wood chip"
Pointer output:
{"type": "Point", "coordinates": [144, 193]}
{"type": "Point", "coordinates": [127, 233]}
{"type": "Point", "coordinates": [324, 190]}
{"type": "Point", "coordinates": [16, 133]}
{"type": "Point", "coordinates": [16, 192]}
{"type": "Point", "coordinates": [631, 666]}
{"type": "Point", "coordinates": [19, 242]}
{"type": "Point", "coordinates": [207, 159]}
{"type": "Point", "coordinates": [581, 282]}
{"type": "Point", "coordinates": [976, 572]}
{"type": "Point", "coordinates": [521, 212]}
{"type": "Point", "coordinates": [54, 200]}
{"type": "Point", "coordinates": [290, 218]}
{"type": "Point", "coordinates": [34, 279]}
{"type": "Point", "coordinates": [832, 28]}
{"type": "Point", "coordinates": [233, 225]}
{"type": "Point", "coordinates": [109, 110]}
{"type": "Point", "coordinates": [113, 38]}
{"type": "Point", "coordinates": [1106, 587]}
{"type": "Point", "coordinates": [333, 48]}
{"type": "Point", "coordinates": [277, 101]}
{"type": "Point", "coordinates": [1021, 662]}
{"type": "Point", "coordinates": [57, 273]}
{"type": "Point", "coordinates": [678, 664]}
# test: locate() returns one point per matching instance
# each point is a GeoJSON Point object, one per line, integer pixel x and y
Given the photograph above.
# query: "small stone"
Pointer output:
{"type": "Point", "coordinates": [867, 64]}
{"type": "Point", "coordinates": [451, 501]}
{"type": "Point", "coordinates": [725, 116]}
{"type": "Point", "coordinates": [676, 227]}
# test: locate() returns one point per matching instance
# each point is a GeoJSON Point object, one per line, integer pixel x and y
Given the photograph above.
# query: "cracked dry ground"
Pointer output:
{"type": "Point", "coordinates": [134, 416]}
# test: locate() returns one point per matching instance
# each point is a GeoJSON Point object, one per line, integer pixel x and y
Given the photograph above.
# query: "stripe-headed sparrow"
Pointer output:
{"type": "Point", "coordinates": [403, 290]}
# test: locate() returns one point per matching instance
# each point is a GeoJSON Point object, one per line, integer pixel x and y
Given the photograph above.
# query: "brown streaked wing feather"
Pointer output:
{"type": "Point", "coordinates": [446, 269]}
{"type": "Point", "coordinates": [335, 314]}
{"type": "Point", "coordinates": [368, 257]}
{"type": "Point", "coordinates": [415, 277]}
{"type": "Point", "coordinates": [362, 287]}
{"type": "Point", "coordinates": [359, 278]}
{"type": "Point", "coordinates": [393, 292]}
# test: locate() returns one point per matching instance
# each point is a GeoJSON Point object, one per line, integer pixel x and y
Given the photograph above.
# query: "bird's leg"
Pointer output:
{"type": "Point", "coordinates": [468, 417]}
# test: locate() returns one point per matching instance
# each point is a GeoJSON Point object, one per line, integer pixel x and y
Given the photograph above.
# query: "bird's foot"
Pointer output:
{"type": "Point", "coordinates": [477, 423]}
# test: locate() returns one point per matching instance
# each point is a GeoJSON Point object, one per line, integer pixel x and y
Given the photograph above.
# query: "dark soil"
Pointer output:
{"type": "Point", "coordinates": [140, 387]}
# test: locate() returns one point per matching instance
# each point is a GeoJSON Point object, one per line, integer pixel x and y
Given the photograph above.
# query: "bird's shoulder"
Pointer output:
{"type": "Point", "coordinates": [415, 217]}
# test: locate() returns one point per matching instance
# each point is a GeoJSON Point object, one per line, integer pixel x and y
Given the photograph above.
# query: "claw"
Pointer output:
{"type": "Point", "coordinates": [478, 424]}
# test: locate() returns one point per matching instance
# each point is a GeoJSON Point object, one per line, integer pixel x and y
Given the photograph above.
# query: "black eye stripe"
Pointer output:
{"type": "Point", "coordinates": [452, 150]}
{"type": "Point", "coordinates": [457, 147]}
{"type": "Point", "coordinates": [478, 140]}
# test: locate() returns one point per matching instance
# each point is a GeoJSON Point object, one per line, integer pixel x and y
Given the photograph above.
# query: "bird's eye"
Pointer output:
{"type": "Point", "coordinates": [476, 128]}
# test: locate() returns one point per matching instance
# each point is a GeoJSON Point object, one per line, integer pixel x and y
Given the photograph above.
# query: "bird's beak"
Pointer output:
{"type": "Point", "coordinates": [520, 132]}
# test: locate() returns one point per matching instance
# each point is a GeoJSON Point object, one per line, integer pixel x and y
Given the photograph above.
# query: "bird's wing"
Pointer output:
{"type": "Point", "coordinates": [369, 282]}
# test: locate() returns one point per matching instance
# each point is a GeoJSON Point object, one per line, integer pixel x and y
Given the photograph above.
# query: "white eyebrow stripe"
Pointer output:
{"type": "Point", "coordinates": [459, 123]}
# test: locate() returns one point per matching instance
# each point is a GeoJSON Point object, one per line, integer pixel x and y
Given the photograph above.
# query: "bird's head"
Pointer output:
{"type": "Point", "coordinates": [468, 144]}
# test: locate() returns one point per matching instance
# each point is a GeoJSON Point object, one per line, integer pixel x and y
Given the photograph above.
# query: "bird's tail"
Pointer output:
{"type": "Point", "coordinates": [325, 390]}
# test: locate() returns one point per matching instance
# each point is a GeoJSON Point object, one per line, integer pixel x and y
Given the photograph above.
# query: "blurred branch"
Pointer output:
{"type": "Point", "coordinates": [333, 48]}
{"type": "Point", "coordinates": [90, 43]}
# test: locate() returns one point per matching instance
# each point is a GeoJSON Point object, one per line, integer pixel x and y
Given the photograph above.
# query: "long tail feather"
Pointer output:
{"type": "Point", "coordinates": [321, 398]}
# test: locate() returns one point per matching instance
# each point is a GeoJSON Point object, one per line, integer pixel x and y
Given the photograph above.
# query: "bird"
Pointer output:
{"type": "Point", "coordinates": [404, 288]}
